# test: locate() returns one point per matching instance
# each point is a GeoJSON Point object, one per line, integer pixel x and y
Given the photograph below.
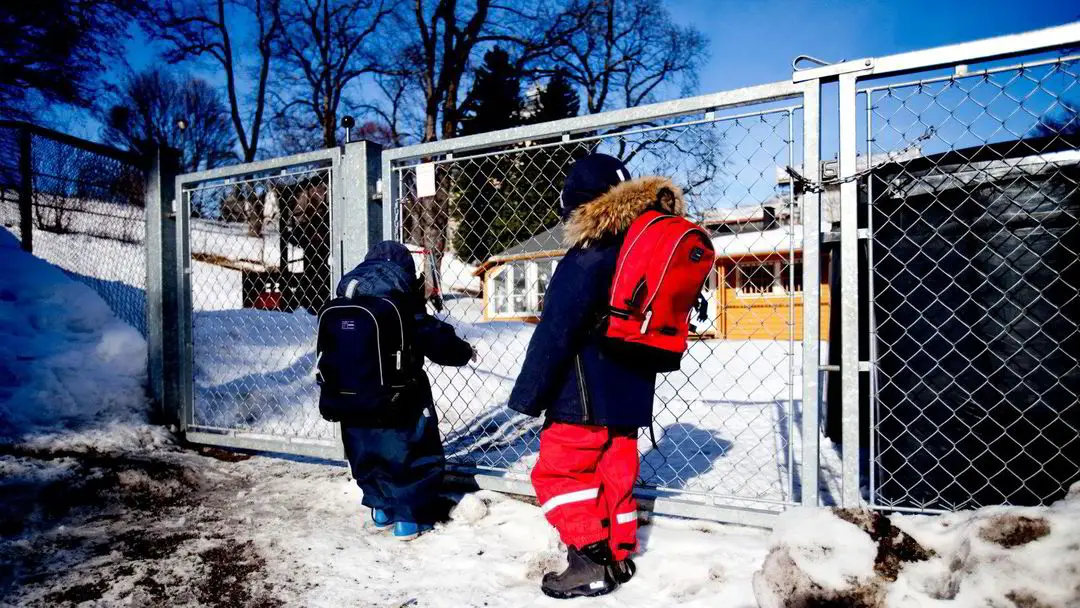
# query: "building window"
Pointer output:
{"type": "Point", "coordinates": [517, 289]}
{"type": "Point", "coordinates": [755, 279]}
{"type": "Point", "coordinates": [768, 278]}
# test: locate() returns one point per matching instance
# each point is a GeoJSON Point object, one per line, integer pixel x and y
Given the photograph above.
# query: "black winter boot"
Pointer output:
{"type": "Point", "coordinates": [623, 571]}
{"type": "Point", "coordinates": [587, 575]}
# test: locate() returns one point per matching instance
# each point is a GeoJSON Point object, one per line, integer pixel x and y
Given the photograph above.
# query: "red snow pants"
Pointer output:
{"type": "Point", "coordinates": [584, 480]}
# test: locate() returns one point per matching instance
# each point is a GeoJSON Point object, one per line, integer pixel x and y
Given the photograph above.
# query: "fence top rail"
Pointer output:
{"type": "Point", "coordinates": [765, 93]}
{"type": "Point", "coordinates": [986, 49]}
{"type": "Point", "coordinates": [689, 123]}
{"type": "Point", "coordinates": [1027, 65]}
{"type": "Point", "coordinates": [89, 146]}
{"type": "Point", "coordinates": [281, 162]}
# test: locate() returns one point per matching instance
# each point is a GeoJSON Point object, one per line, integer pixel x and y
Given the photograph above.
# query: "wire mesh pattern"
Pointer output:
{"type": "Point", "coordinates": [490, 240]}
{"type": "Point", "coordinates": [87, 211]}
{"type": "Point", "coordinates": [974, 287]}
{"type": "Point", "coordinates": [261, 269]}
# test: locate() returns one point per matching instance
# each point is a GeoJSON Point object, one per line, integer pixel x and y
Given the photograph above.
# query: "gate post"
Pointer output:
{"type": "Point", "coordinates": [811, 220]}
{"type": "Point", "coordinates": [26, 189]}
{"type": "Point", "coordinates": [358, 216]}
{"type": "Point", "coordinates": [162, 290]}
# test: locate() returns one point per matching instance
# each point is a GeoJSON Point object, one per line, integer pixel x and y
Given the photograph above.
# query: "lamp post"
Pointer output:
{"type": "Point", "coordinates": [348, 122]}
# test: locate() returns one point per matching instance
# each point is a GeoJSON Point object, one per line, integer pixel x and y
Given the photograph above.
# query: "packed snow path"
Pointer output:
{"type": "Point", "coordinates": [181, 529]}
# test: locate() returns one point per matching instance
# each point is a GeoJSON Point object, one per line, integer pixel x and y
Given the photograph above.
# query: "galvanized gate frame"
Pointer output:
{"type": "Point", "coordinates": [352, 170]}
{"type": "Point", "coordinates": [356, 179]}
{"type": "Point", "coordinates": [849, 75]}
{"type": "Point", "coordinates": [808, 93]}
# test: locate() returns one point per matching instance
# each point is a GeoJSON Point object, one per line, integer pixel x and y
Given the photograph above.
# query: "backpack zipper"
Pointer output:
{"type": "Point", "coordinates": [618, 270]}
{"type": "Point", "coordinates": [582, 388]}
{"type": "Point", "coordinates": [401, 329]}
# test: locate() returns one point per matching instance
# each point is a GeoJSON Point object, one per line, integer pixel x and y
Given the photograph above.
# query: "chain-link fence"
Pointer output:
{"type": "Point", "coordinates": [974, 286]}
{"type": "Point", "coordinates": [79, 205]}
{"type": "Point", "coordinates": [259, 240]}
{"type": "Point", "coordinates": [485, 220]}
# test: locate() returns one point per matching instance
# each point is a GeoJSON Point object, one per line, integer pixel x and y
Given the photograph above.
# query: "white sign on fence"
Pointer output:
{"type": "Point", "coordinates": [425, 180]}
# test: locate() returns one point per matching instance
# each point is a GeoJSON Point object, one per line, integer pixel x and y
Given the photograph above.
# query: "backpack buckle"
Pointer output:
{"type": "Point", "coordinates": [645, 323]}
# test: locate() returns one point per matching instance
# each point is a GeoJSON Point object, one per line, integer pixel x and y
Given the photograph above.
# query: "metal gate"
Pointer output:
{"type": "Point", "coordinates": [958, 211]}
{"type": "Point", "coordinates": [733, 440]}
{"type": "Point", "coordinates": [926, 280]}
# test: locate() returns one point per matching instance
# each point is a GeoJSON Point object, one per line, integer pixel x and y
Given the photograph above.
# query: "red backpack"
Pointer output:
{"type": "Point", "coordinates": [663, 265]}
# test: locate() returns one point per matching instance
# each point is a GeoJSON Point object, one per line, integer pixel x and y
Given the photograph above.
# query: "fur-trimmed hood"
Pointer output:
{"type": "Point", "coordinates": [612, 212]}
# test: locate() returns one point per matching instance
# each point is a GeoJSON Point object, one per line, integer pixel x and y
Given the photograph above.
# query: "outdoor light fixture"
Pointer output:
{"type": "Point", "coordinates": [181, 123]}
{"type": "Point", "coordinates": [348, 122]}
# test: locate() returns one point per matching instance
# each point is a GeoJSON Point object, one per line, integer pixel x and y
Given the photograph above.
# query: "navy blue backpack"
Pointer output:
{"type": "Point", "coordinates": [364, 355]}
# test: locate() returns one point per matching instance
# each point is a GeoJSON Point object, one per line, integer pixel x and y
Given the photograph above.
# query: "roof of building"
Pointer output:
{"type": "Point", "coordinates": [547, 241]}
{"type": "Point", "coordinates": [780, 240]}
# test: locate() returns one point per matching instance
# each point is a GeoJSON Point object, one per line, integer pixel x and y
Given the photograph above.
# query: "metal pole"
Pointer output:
{"type": "Point", "coordinates": [185, 323]}
{"type": "Point", "coordinates": [162, 290]}
{"type": "Point", "coordinates": [849, 298]}
{"type": "Point", "coordinates": [811, 221]}
{"type": "Point", "coordinates": [26, 189]}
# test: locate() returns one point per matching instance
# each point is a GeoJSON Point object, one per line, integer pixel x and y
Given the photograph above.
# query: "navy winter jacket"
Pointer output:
{"type": "Point", "coordinates": [566, 372]}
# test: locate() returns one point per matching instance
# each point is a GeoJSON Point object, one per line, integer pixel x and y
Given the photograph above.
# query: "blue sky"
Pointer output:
{"type": "Point", "coordinates": [754, 41]}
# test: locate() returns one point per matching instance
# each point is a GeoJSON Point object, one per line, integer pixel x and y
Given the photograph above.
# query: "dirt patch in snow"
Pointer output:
{"type": "Point", "coordinates": [894, 547]}
{"type": "Point", "coordinates": [1010, 530]}
{"type": "Point", "coordinates": [229, 578]}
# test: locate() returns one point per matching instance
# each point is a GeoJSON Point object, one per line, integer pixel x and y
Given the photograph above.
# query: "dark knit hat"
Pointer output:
{"type": "Point", "coordinates": [590, 177]}
{"type": "Point", "coordinates": [392, 251]}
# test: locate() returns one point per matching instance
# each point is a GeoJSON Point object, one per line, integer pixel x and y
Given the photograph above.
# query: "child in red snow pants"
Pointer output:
{"type": "Point", "coordinates": [584, 480]}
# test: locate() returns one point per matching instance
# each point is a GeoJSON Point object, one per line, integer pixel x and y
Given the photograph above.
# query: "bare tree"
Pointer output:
{"type": "Point", "coordinates": [144, 115]}
{"type": "Point", "coordinates": [440, 41]}
{"type": "Point", "coordinates": [331, 43]}
{"type": "Point", "coordinates": [196, 29]}
{"type": "Point", "coordinates": [54, 51]}
{"type": "Point", "coordinates": [393, 113]}
{"type": "Point", "coordinates": [628, 51]}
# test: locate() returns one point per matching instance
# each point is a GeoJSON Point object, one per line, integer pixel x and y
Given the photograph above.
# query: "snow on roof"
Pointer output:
{"type": "Point", "coordinates": [781, 240]}
{"type": "Point", "coordinates": [548, 240]}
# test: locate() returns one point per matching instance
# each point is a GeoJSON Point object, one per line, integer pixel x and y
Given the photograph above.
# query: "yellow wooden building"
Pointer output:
{"type": "Point", "coordinates": [755, 293]}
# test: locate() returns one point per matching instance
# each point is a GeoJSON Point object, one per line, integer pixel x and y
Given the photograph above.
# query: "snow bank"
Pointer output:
{"type": "Point", "coordinates": [66, 362]}
{"type": "Point", "coordinates": [996, 556]}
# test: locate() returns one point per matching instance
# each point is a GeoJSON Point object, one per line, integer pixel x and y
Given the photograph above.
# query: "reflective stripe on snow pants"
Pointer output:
{"type": "Point", "coordinates": [584, 480]}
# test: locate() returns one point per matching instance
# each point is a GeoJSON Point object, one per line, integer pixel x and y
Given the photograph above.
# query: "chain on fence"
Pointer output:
{"type": "Point", "coordinates": [87, 212]}
{"type": "Point", "coordinates": [974, 290]}
{"type": "Point", "coordinates": [260, 250]}
{"type": "Point", "coordinates": [727, 424]}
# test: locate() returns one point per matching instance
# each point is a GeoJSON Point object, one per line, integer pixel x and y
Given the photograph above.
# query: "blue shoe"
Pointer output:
{"type": "Point", "coordinates": [381, 519]}
{"type": "Point", "coordinates": [408, 530]}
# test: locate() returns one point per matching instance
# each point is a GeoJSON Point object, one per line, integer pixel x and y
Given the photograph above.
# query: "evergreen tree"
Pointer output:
{"type": "Point", "coordinates": [558, 99]}
{"type": "Point", "coordinates": [493, 103]}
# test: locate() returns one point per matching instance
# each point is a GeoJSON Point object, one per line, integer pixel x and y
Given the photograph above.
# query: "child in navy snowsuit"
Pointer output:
{"type": "Point", "coordinates": [594, 403]}
{"type": "Point", "coordinates": [398, 461]}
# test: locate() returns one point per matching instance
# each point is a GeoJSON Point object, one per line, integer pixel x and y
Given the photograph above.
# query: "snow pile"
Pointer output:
{"type": "Point", "coordinates": [996, 556]}
{"type": "Point", "coordinates": [66, 362]}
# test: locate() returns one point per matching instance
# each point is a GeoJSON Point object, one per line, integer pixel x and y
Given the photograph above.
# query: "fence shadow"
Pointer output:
{"type": "Point", "coordinates": [684, 452]}
{"type": "Point", "coordinates": [127, 302]}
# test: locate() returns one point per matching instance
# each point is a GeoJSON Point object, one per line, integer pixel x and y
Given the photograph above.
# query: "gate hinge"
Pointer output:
{"type": "Point", "coordinates": [827, 71]}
